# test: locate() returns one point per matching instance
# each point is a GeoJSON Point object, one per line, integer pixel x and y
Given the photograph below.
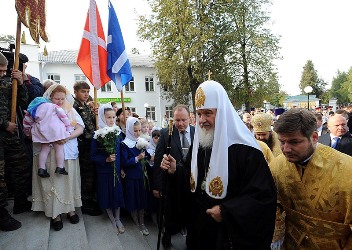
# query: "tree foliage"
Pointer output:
{"type": "Point", "coordinates": [189, 38]}
{"type": "Point", "coordinates": [346, 90]}
{"type": "Point", "coordinates": [310, 78]}
{"type": "Point", "coordinates": [338, 90]}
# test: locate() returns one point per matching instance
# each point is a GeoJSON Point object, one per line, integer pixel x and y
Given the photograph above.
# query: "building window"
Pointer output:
{"type": "Point", "coordinates": [106, 87]}
{"type": "Point", "coordinates": [80, 78]}
{"type": "Point", "coordinates": [149, 83]}
{"type": "Point", "coordinates": [151, 113]}
{"type": "Point", "coordinates": [168, 111]}
{"type": "Point", "coordinates": [54, 77]}
{"type": "Point", "coordinates": [129, 87]}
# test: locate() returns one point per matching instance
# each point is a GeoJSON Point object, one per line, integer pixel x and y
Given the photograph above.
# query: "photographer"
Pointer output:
{"type": "Point", "coordinates": [12, 156]}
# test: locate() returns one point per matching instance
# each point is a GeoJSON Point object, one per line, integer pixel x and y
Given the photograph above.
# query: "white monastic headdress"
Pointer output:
{"type": "Point", "coordinates": [130, 139]}
{"type": "Point", "coordinates": [229, 130]}
{"type": "Point", "coordinates": [101, 115]}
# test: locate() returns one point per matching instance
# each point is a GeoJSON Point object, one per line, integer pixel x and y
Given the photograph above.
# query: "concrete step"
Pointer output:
{"type": "Point", "coordinates": [100, 233]}
{"type": "Point", "coordinates": [72, 236]}
{"type": "Point", "coordinates": [34, 233]}
{"type": "Point", "coordinates": [92, 232]}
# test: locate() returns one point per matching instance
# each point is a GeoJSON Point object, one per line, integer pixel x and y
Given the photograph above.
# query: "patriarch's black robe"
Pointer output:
{"type": "Point", "coordinates": [248, 210]}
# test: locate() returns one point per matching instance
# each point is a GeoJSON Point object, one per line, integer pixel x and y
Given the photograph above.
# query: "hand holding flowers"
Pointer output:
{"type": "Point", "coordinates": [107, 137]}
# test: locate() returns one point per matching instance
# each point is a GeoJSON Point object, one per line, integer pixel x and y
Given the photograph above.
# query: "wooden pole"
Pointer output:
{"type": "Point", "coordinates": [122, 102]}
{"type": "Point", "coordinates": [95, 107]}
{"type": "Point", "coordinates": [15, 66]}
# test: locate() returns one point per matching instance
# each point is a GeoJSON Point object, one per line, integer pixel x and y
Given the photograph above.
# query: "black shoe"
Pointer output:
{"type": "Point", "coordinates": [21, 206]}
{"type": "Point", "coordinates": [57, 225]}
{"type": "Point", "coordinates": [91, 211]}
{"type": "Point", "coordinates": [74, 219]}
{"type": "Point", "coordinates": [166, 240]}
{"type": "Point", "coordinates": [7, 223]}
{"type": "Point", "coordinates": [61, 171]}
{"type": "Point", "coordinates": [43, 173]}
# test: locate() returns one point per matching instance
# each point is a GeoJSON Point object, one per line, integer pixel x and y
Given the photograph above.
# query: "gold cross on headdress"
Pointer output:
{"type": "Point", "coordinates": [209, 74]}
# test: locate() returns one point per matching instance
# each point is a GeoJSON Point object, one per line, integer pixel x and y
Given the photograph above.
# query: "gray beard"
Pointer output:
{"type": "Point", "coordinates": [206, 138]}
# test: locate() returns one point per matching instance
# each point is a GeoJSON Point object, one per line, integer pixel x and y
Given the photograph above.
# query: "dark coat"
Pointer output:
{"type": "Point", "coordinates": [344, 145]}
{"type": "Point", "coordinates": [176, 190]}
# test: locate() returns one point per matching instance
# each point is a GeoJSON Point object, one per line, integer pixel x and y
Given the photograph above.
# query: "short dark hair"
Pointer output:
{"type": "Point", "coordinates": [156, 133]}
{"type": "Point", "coordinates": [80, 85]}
{"type": "Point", "coordinates": [318, 116]}
{"type": "Point", "coordinates": [180, 107]}
{"type": "Point", "coordinates": [342, 112]}
{"type": "Point", "coordinates": [296, 120]}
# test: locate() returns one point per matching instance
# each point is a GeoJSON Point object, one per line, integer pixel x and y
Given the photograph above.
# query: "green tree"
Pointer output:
{"type": "Point", "coordinates": [228, 38]}
{"type": "Point", "coordinates": [347, 88]}
{"type": "Point", "coordinates": [337, 90]}
{"type": "Point", "coordinates": [310, 78]}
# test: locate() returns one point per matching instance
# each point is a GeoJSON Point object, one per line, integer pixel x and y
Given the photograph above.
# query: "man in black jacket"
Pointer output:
{"type": "Point", "coordinates": [339, 138]}
{"type": "Point", "coordinates": [182, 138]}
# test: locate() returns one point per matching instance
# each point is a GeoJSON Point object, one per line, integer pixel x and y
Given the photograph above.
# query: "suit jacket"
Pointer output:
{"type": "Point", "coordinates": [175, 151]}
{"type": "Point", "coordinates": [344, 145]}
{"type": "Point", "coordinates": [177, 192]}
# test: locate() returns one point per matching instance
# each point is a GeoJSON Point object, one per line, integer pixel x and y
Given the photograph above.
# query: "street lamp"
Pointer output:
{"type": "Point", "coordinates": [308, 90]}
{"type": "Point", "coordinates": [265, 105]}
{"type": "Point", "coordinates": [146, 105]}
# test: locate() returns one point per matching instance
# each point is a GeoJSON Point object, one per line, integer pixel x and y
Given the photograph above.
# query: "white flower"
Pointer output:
{"type": "Point", "coordinates": [142, 143]}
{"type": "Point", "coordinates": [145, 136]}
{"type": "Point", "coordinates": [106, 130]}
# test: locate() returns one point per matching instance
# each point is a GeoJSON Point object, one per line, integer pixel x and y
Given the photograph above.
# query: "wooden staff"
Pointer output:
{"type": "Point", "coordinates": [15, 66]}
{"type": "Point", "coordinates": [164, 185]}
{"type": "Point", "coordinates": [96, 106]}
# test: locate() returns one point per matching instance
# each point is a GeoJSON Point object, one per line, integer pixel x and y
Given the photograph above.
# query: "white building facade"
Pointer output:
{"type": "Point", "coordinates": [144, 89]}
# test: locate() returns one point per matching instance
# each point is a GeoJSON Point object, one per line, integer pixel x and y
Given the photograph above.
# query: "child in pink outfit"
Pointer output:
{"type": "Point", "coordinates": [49, 125]}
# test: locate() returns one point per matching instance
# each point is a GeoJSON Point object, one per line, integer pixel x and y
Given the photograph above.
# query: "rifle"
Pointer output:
{"type": "Point", "coordinates": [164, 185]}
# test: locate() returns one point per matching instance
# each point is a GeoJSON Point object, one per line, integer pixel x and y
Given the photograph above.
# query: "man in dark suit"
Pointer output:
{"type": "Point", "coordinates": [339, 137]}
{"type": "Point", "coordinates": [321, 128]}
{"type": "Point", "coordinates": [176, 193]}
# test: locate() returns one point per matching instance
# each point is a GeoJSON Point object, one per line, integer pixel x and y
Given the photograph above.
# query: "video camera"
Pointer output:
{"type": "Point", "coordinates": [10, 56]}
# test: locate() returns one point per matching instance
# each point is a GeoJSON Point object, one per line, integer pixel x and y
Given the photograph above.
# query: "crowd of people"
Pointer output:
{"type": "Point", "coordinates": [263, 181]}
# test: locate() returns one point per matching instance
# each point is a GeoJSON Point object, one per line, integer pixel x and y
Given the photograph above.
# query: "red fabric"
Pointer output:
{"type": "Point", "coordinates": [85, 60]}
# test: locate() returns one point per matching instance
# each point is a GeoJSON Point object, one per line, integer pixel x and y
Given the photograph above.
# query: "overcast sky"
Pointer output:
{"type": "Point", "coordinates": [317, 30]}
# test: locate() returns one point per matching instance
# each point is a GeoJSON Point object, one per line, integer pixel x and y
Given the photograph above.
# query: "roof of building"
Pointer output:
{"type": "Point", "coordinates": [300, 98]}
{"type": "Point", "coordinates": [70, 57]}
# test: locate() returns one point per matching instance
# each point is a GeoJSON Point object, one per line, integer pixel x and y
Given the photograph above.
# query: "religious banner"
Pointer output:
{"type": "Point", "coordinates": [32, 15]}
{"type": "Point", "coordinates": [92, 56]}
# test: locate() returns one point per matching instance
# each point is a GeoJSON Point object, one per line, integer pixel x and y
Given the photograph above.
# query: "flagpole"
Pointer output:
{"type": "Point", "coordinates": [122, 102]}
{"type": "Point", "coordinates": [95, 107]}
{"type": "Point", "coordinates": [15, 66]}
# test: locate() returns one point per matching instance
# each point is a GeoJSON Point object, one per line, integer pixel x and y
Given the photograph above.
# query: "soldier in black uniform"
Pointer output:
{"type": "Point", "coordinates": [12, 155]}
{"type": "Point", "coordinates": [88, 174]}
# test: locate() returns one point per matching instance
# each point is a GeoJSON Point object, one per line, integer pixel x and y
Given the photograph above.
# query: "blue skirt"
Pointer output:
{"type": "Point", "coordinates": [109, 196]}
{"type": "Point", "coordinates": [135, 194]}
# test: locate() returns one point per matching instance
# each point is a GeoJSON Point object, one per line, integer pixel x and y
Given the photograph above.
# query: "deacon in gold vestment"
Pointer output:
{"type": "Point", "coordinates": [262, 131]}
{"type": "Point", "coordinates": [314, 184]}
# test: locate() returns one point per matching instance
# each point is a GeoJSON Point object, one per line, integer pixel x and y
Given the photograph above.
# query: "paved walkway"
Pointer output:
{"type": "Point", "coordinates": [90, 233]}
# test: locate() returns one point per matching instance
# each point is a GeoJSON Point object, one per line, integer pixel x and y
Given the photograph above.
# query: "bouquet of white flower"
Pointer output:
{"type": "Point", "coordinates": [143, 144]}
{"type": "Point", "coordinates": [107, 137]}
